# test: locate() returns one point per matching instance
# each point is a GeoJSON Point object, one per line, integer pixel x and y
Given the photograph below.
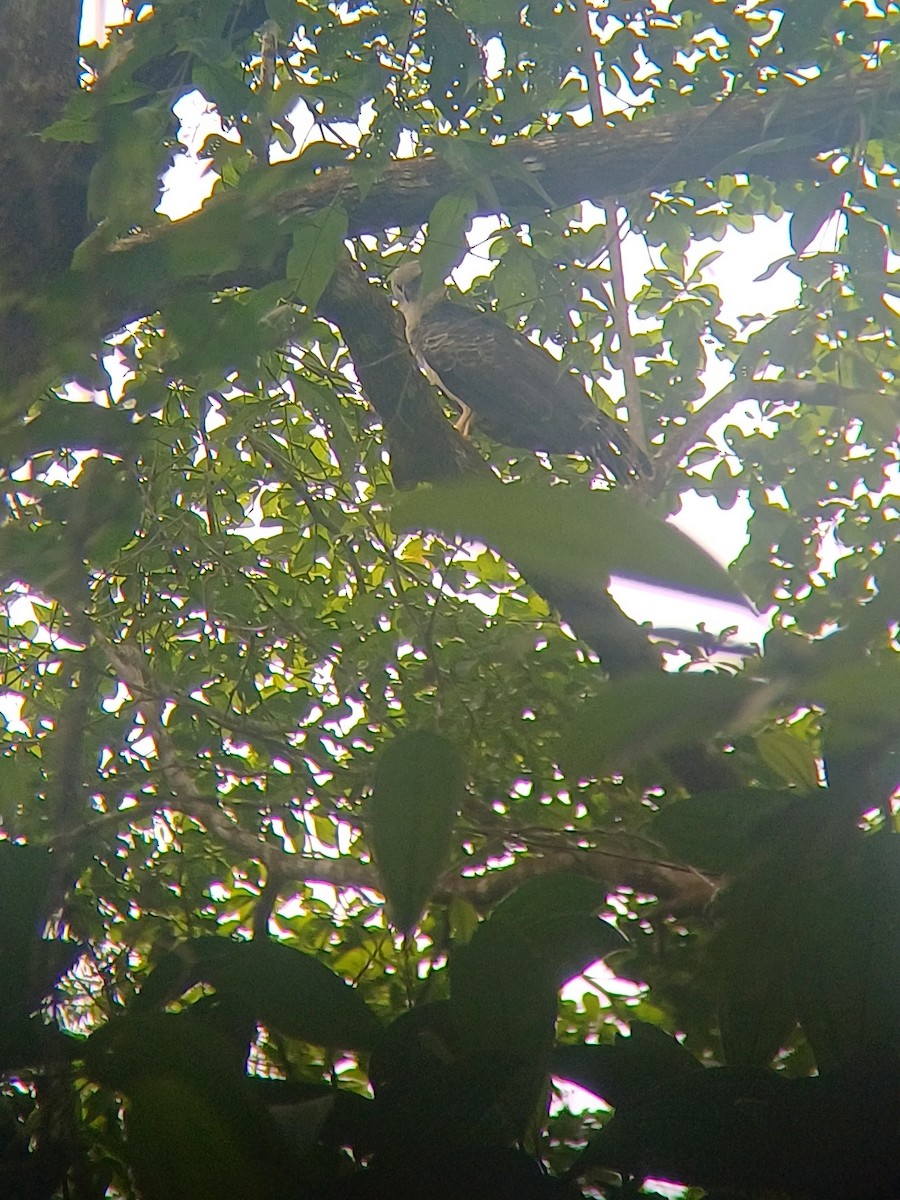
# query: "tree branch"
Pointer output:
{"type": "Point", "coordinates": [425, 447]}
{"type": "Point", "coordinates": [616, 289]}
{"type": "Point", "coordinates": [775, 134]}
{"type": "Point", "coordinates": [42, 201]}
{"type": "Point", "coordinates": [680, 437]}
{"type": "Point", "coordinates": [681, 888]}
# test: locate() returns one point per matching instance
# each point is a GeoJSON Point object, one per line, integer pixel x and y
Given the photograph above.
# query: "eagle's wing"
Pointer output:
{"type": "Point", "coordinates": [519, 394]}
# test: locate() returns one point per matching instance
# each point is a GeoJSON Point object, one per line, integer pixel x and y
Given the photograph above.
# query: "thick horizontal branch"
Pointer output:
{"type": "Point", "coordinates": [681, 889]}
{"type": "Point", "coordinates": [776, 134]}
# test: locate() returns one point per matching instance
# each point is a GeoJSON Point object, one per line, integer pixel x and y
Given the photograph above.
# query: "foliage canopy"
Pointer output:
{"type": "Point", "coordinates": [327, 757]}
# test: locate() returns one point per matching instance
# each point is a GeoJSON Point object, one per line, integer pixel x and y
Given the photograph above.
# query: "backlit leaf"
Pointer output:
{"type": "Point", "coordinates": [575, 536]}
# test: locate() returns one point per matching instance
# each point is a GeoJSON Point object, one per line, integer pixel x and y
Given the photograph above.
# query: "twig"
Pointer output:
{"type": "Point", "coordinates": [696, 423]}
{"type": "Point", "coordinates": [616, 289]}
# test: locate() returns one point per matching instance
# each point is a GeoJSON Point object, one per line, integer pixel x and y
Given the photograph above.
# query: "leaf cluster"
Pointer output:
{"type": "Point", "coordinates": [325, 800]}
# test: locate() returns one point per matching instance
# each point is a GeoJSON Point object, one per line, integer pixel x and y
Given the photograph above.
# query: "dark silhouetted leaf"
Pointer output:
{"type": "Point", "coordinates": [627, 1070]}
{"type": "Point", "coordinates": [416, 793]}
{"type": "Point", "coordinates": [504, 982]}
{"type": "Point", "coordinates": [292, 992]}
{"type": "Point", "coordinates": [455, 60]}
{"type": "Point", "coordinates": [753, 1131]}
{"type": "Point", "coordinates": [763, 917]}
{"type": "Point", "coordinates": [846, 964]}
{"type": "Point", "coordinates": [718, 830]}
{"type": "Point", "coordinates": [812, 208]}
{"type": "Point", "coordinates": [194, 1128]}
{"type": "Point", "coordinates": [635, 718]}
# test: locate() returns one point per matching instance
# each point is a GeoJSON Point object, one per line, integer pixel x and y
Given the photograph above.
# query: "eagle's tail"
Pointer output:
{"type": "Point", "coordinates": [617, 454]}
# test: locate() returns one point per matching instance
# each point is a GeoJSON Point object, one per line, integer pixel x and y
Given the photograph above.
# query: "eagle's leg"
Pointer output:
{"type": "Point", "coordinates": [466, 418]}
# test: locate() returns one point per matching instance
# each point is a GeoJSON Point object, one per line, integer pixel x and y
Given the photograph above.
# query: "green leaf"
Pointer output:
{"type": "Point", "coordinates": [281, 987]}
{"type": "Point", "coordinates": [860, 698]}
{"type": "Point", "coordinates": [637, 717]}
{"type": "Point", "coordinates": [515, 282]}
{"type": "Point", "coordinates": [66, 425]}
{"type": "Point", "coordinates": [504, 983]}
{"type": "Point", "coordinates": [547, 899]}
{"type": "Point", "coordinates": [417, 790]}
{"type": "Point", "coordinates": [455, 60]}
{"type": "Point", "coordinates": [29, 963]}
{"type": "Point", "coordinates": [424, 1092]}
{"type": "Point", "coordinates": [193, 1126]}
{"type": "Point", "coordinates": [866, 248]}
{"type": "Point", "coordinates": [846, 965]}
{"type": "Point", "coordinates": [317, 245]}
{"type": "Point", "coordinates": [214, 246]}
{"type": "Point", "coordinates": [574, 536]}
{"type": "Point", "coordinates": [626, 1071]}
{"type": "Point", "coordinates": [81, 128]}
{"type": "Point", "coordinates": [182, 1143]}
{"type": "Point", "coordinates": [25, 875]}
{"type": "Point", "coordinates": [763, 920]}
{"type": "Point", "coordinates": [707, 1129]}
{"type": "Point", "coordinates": [446, 241]}
{"type": "Point", "coordinates": [505, 980]}
{"type": "Point", "coordinates": [880, 202]}
{"type": "Point", "coordinates": [813, 207]}
{"type": "Point", "coordinates": [463, 918]}
{"type": "Point", "coordinates": [719, 830]}
{"type": "Point", "coordinates": [788, 755]}
{"type": "Point", "coordinates": [124, 181]}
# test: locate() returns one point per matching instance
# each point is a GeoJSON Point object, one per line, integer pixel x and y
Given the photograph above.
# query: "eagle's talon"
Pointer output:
{"type": "Point", "coordinates": [463, 423]}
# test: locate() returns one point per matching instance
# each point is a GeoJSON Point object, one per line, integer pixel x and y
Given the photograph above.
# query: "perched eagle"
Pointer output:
{"type": "Point", "coordinates": [515, 391]}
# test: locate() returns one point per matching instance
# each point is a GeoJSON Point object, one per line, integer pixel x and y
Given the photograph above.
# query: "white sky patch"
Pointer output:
{"type": "Point", "coordinates": [96, 17]}
{"type": "Point", "coordinates": [187, 183]}
{"type": "Point", "coordinates": [746, 256]}
{"type": "Point", "coordinates": [11, 706]}
{"type": "Point", "coordinates": [665, 608]}
{"type": "Point", "coordinates": [721, 532]}
{"type": "Point", "coordinates": [112, 704]}
{"type": "Point", "coordinates": [576, 1099]}
{"type": "Point", "coordinates": [190, 180]}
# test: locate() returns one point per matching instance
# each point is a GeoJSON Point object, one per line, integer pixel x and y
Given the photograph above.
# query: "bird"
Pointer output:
{"type": "Point", "coordinates": [516, 392]}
